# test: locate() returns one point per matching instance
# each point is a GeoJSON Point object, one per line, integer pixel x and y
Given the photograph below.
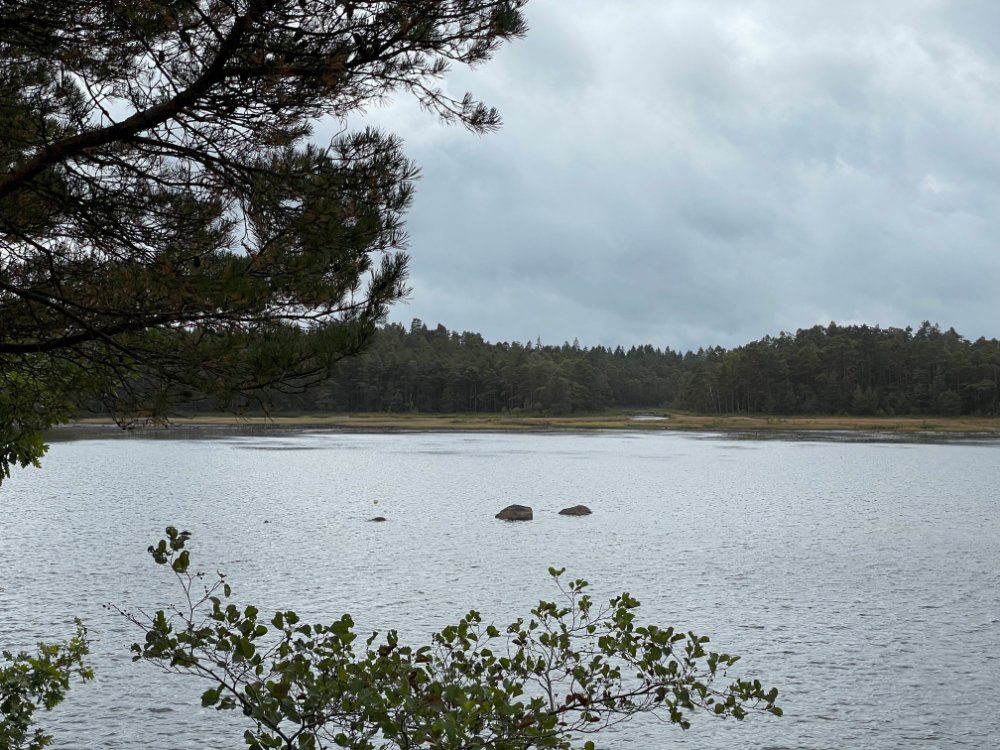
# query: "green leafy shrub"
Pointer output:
{"type": "Point", "coordinates": [27, 682]}
{"type": "Point", "coordinates": [570, 670]}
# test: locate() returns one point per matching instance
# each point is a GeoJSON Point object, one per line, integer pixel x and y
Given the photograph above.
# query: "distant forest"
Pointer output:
{"type": "Point", "coordinates": [821, 370]}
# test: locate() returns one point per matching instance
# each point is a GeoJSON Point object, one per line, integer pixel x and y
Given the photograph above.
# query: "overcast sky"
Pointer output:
{"type": "Point", "coordinates": [705, 172]}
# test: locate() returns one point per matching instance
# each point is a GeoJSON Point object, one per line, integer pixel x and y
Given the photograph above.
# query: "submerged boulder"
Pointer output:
{"type": "Point", "coordinates": [377, 518]}
{"type": "Point", "coordinates": [576, 510]}
{"type": "Point", "coordinates": [515, 513]}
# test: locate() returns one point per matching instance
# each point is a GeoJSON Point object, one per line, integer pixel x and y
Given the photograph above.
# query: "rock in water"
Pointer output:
{"type": "Point", "coordinates": [377, 518]}
{"type": "Point", "coordinates": [515, 513]}
{"type": "Point", "coordinates": [576, 510]}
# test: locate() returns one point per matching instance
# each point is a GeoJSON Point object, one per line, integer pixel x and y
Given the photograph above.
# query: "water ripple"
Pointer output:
{"type": "Point", "coordinates": [862, 579]}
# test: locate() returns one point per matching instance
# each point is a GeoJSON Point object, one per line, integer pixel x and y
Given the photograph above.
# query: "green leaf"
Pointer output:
{"type": "Point", "coordinates": [180, 564]}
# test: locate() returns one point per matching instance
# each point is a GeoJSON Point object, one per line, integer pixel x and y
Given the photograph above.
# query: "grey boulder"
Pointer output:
{"type": "Point", "coordinates": [515, 513]}
{"type": "Point", "coordinates": [576, 510]}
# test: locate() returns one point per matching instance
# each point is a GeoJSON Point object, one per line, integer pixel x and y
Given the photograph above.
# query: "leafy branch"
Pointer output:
{"type": "Point", "coordinates": [29, 681]}
{"type": "Point", "coordinates": [572, 669]}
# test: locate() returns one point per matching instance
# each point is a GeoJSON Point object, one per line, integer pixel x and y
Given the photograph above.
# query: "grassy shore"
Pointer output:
{"type": "Point", "coordinates": [610, 420]}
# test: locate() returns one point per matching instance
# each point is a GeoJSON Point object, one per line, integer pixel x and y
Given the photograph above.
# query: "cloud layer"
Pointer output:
{"type": "Point", "coordinates": [688, 173]}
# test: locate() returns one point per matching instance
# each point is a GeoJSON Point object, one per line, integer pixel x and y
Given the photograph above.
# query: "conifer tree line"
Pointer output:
{"type": "Point", "coordinates": [857, 370]}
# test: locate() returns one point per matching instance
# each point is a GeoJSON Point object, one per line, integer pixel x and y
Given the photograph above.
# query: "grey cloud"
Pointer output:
{"type": "Point", "coordinates": [690, 173]}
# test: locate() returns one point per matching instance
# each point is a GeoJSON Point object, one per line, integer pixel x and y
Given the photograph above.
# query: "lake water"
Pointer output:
{"type": "Point", "coordinates": [861, 579]}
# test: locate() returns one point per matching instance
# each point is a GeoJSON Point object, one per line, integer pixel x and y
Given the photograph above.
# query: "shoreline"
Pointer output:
{"type": "Point", "coordinates": [658, 421]}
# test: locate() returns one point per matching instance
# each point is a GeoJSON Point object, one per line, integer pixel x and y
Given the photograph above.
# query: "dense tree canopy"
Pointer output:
{"type": "Point", "coordinates": [167, 228]}
{"type": "Point", "coordinates": [831, 370]}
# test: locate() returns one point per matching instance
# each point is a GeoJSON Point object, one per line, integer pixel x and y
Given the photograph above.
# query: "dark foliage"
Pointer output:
{"type": "Point", "coordinates": [833, 370]}
{"type": "Point", "coordinates": [168, 230]}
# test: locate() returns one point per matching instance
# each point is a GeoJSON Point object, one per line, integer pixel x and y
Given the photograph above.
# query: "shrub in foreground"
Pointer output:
{"type": "Point", "coordinates": [570, 670]}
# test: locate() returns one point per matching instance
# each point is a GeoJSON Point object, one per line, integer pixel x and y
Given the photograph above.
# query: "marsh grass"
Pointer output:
{"type": "Point", "coordinates": [600, 421]}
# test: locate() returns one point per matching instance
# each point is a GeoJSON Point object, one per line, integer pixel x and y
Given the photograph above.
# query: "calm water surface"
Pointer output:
{"type": "Point", "coordinates": [861, 579]}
